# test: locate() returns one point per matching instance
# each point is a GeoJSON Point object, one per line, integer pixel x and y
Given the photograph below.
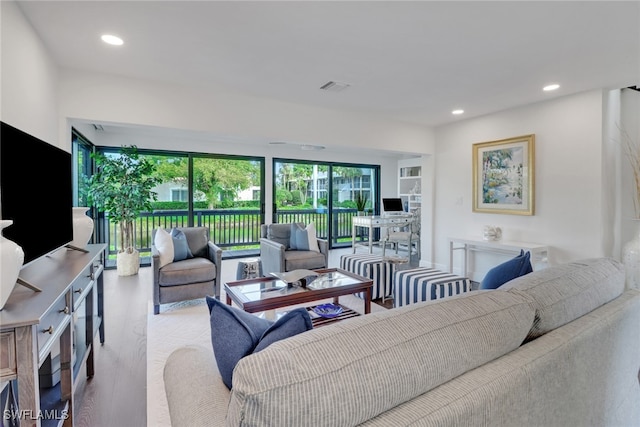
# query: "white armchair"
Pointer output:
{"type": "Point", "coordinates": [409, 235]}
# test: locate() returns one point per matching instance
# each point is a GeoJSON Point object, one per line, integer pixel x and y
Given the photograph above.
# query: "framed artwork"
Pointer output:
{"type": "Point", "coordinates": [503, 176]}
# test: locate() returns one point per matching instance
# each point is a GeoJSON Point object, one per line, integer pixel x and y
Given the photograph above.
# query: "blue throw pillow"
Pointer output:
{"type": "Point", "coordinates": [299, 238]}
{"type": "Point", "coordinates": [236, 333]}
{"type": "Point", "coordinates": [501, 274]}
{"type": "Point", "coordinates": [180, 245]}
{"type": "Point", "coordinates": [526, 265]}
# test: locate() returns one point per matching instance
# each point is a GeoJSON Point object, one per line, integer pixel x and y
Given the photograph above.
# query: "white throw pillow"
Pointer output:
{"type": "Point", "coordinates": [164, 243]}
{"type": "Point", "coordinates": [311, 234]}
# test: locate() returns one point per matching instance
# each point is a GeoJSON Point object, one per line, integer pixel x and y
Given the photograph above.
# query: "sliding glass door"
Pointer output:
{"type": "Point", "coordinates": [325, 194]}
{"type": "Point", "coordinates": [300, 194]}
{"type": "Point", "coordinates": [354, 192]}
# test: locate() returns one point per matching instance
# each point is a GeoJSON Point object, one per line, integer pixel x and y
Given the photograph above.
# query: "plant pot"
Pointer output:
{"type": "Point", "coordinates": [11, 259]}
{"type": "Point", "coordinates": [128, 264]}
{"type": "Point", "coordinates": [82, 227]}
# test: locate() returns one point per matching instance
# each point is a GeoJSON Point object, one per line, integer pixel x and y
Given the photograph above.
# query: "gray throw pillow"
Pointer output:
{"type": "Point", "coordinates": [180, 245]}
{"type": "Point", "coordinates": [236, 333]}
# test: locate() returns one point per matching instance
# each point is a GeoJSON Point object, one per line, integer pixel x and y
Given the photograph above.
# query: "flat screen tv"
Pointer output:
{"type": "Point", "coordinates": [392, 205]}
{"type": "Point", "coordinates": [36, 193]}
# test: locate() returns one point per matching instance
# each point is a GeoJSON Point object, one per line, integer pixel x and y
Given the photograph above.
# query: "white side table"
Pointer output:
{"type": "Point", "coordinates": [249, 268]}
{"type": "Point", "coordinates": [539, 252]}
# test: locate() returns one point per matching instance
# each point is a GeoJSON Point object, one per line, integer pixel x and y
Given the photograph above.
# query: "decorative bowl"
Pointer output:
{"type": "Point", "coordinates": [327, 310]}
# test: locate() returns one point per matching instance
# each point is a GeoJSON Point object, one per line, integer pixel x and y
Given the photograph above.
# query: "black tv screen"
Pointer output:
{"type": "Point", "coordinates": [36, 193]}
{"type": "Point", "coordinates": [392, 205]}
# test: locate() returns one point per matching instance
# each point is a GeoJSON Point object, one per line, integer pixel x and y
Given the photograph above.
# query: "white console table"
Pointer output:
{"type": "Point", "coordinates": [376, 221]}
{"type": "Point", "coordinates": [539, 253]}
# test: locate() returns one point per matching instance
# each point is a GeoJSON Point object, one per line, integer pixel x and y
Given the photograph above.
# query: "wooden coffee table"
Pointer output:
{"type": "Point", "coordinates": [267, 293]}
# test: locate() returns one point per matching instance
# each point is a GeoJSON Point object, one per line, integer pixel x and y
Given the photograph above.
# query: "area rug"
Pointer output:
{"type": "Point", "coordinates": [187, 323]}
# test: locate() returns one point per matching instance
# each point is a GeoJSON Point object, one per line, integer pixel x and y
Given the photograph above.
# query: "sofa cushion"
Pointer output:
{"type": "Point", "coordinates": [508, 270]}
{"type": "Point", "coordinates": [305, 260]}
{"type": "Point", "coordinates": [180, 246]}
{"type": "Point", "coordinates": [392, 357]}
{"type": "Point", "coordinates": [236, 333]}
{"type": "Point", "coordinates": [164, 244]}
{"type": "Point", "coordinates": [280, 233]}
{"type": "Point", "coordinates": [188, 271]}
{"type": "Point", "coordinates": [562, 293]}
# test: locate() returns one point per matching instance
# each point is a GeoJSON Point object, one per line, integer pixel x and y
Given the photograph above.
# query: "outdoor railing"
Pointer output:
{"type": "Point", "coordinates": [236, 231]}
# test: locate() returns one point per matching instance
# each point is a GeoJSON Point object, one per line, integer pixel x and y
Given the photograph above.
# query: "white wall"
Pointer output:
{"type": "Point", "coordinates": [568, 179]}
{"type": "Point", "coordinates": [28, 90]}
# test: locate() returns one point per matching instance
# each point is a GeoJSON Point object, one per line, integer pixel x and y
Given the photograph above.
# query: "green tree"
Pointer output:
{"type": "Point", "coordinates": [122, 187]}
{"type": "Point", "coordinates": [223, 178]}
{"type": "Point", "coordinates": [218, 179]}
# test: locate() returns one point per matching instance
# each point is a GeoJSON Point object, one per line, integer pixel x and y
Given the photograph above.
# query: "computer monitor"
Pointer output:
{"type": "Point", "coordinates": [393, 205]}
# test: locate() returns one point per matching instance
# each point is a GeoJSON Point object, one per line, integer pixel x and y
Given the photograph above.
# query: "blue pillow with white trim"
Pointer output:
{"type": "Point", "coordinates": [180, 245]}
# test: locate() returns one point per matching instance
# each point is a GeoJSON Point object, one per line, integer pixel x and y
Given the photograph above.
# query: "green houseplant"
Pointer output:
{"type": "Point", "coordinates": [122, 187]}
{"type": "Point", "coordinates": [361, 202]}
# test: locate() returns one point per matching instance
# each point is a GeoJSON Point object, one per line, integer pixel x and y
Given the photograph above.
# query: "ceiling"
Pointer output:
{"type": "Point", "coordinates": [411, 61]}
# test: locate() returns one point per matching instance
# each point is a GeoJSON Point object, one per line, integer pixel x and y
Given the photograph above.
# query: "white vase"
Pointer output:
{"type": "Point", "coordinates": [631, 261]}
{"type": "Point", "coordinates": [82, 227]}
{"type": "Point", "coordinates": [11, 259]}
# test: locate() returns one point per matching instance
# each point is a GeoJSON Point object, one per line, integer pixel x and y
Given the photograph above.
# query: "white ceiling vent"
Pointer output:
{"type": "Point", "coordinates": [334, 86]}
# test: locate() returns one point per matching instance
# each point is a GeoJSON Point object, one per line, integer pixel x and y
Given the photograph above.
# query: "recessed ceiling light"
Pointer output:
{"type": "Point", "coordinates": [111, 39]}
{"type": "Point", "coordinates": [551, 87]}
{"type": "Point", "coordinates": [457, 112]}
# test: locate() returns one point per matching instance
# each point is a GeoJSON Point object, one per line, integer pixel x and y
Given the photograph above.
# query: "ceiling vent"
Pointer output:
{"type": "Point", "coordinates": [334, 86]}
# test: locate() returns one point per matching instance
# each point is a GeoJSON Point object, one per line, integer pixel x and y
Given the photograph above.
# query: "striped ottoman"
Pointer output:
{"type": "Point", "coordinates": [423, 284]}
{"type": "Point", "coordinates": [372, 267]}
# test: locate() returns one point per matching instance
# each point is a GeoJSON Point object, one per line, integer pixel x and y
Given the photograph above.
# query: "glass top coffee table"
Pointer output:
{"type": "Point", "coordinates": [269, 293]}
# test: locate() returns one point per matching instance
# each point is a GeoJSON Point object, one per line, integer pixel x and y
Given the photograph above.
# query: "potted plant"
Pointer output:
{"type": "Point", "coordinates": [361, 202]}
{"type": "Point", "coordinates": [122, 187]}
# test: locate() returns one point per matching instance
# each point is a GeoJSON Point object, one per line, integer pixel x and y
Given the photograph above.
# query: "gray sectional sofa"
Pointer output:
{"type": "Point", "coordinates": [557, 347]}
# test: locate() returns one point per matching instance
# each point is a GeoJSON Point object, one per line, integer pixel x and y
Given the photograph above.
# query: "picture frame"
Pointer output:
{"type": "Point", "coordinates": [504, 176]}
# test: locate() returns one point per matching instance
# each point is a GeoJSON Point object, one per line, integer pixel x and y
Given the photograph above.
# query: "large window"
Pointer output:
{"type": "Point", "coordinates": [226, 195]}
{"type": "Point", "coordinates": [222, 193]}
{"type": "Point", "coordinates": [325, 194]}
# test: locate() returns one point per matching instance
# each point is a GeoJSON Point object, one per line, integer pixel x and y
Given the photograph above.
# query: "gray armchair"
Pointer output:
{"type": "Point", "coordinates": [190, 278]}
{"type": "Point", "coordinates": [277, 255]}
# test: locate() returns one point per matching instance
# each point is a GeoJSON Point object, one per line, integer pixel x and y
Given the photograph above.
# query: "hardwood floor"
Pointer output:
{"type": "Point", "coordinates": [117, 394]}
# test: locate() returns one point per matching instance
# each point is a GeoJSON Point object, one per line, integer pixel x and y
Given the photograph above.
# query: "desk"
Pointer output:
{"type": "Point", "coordinates": [539, 253]}
{"type": "Point", "coordinates": [376, 221]}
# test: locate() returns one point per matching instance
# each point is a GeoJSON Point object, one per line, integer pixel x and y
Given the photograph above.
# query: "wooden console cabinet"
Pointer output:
{"type": "Point", "coordinates": [67, 314]}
